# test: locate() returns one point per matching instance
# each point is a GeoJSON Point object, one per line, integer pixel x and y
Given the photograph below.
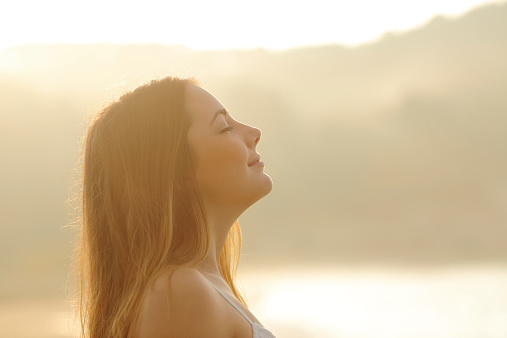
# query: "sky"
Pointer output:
{"type": "Point", "coordinates": [218, 24]}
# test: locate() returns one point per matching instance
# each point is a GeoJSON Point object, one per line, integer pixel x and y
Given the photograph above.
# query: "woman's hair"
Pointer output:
{"type": "Point", "coordinates": [141, 207]}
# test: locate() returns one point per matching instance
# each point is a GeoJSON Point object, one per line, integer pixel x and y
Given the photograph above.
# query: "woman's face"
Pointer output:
{"type": "Point", "coordinates": [228, 169]}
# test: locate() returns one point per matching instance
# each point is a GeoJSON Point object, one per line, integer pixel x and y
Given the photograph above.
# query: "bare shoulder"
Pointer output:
{"type": "Point", "coordinates": [180, 303]}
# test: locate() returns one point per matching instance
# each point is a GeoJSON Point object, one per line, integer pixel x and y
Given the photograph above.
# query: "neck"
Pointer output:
{"type": "Point", "coordinates": [219, 228]}
{"type": "Point", "coordinates": [211, 263]}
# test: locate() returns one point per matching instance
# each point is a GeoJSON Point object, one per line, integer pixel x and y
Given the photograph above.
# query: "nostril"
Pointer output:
{"type": "Point", "coordinates": [253, 136]}
{"type": "Point", "coordinates": [258, 135]}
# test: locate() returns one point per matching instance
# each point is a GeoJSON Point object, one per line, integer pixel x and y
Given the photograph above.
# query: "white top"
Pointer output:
{"type": "Point", "coordinates": [258, 330]}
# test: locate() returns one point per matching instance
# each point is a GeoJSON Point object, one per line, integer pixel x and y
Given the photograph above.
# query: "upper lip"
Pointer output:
{"type": "Point", "coordinates": [256, 159]}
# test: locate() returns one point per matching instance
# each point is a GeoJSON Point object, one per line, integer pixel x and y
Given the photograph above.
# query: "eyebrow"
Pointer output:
{"type": "Point", "coordinates": [221, 111]}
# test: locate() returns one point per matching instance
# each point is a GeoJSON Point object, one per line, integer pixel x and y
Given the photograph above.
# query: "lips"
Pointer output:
{"type": "Point", "coordinates": [256, 159]}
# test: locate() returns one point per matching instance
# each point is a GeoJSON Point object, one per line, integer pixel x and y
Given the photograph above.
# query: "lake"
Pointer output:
{"type": "Point", "coordinates": [350, 302]}
{"type": "Point", "coordinates": [367, 302]}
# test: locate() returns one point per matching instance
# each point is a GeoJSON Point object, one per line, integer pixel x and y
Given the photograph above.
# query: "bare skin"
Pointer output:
{"type": "Point", "coordinates": [182, 303]}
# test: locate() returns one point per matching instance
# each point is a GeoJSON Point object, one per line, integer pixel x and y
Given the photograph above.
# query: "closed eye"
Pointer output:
{"type": "Point", "coordinates": [229, 128]}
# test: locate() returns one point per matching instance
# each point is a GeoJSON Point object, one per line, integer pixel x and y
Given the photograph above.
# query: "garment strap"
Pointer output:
{"type": "Point", "coordinates": [233, 304]}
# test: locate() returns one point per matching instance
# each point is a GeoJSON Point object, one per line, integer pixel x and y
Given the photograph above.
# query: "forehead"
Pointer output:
{"type": "Point", "coordinates": [201, 105]}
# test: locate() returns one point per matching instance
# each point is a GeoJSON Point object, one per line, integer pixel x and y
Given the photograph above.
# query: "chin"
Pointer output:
{"type": "Point", "coordinates": [261, 189]}
{"type": "Point", "coordinates": [265, 186]}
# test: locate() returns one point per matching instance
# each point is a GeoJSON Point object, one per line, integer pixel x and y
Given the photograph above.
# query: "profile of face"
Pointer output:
{"type": "Point", "coordinates": [228, 168]}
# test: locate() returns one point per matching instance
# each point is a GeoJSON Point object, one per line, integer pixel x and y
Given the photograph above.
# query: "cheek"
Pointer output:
{"type": "Point", "coordinates": [219, 163]}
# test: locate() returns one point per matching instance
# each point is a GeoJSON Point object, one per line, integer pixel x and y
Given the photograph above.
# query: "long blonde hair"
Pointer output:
{"type": "Point", "coordinates": [141, 207]}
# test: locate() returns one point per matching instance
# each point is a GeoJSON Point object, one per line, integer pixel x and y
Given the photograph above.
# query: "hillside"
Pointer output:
{"type": "Point", "coordinates": [395, 151]}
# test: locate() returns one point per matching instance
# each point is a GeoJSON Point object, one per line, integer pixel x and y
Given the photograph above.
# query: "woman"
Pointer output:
{"type": "Point", "coordinates": [167, 172]}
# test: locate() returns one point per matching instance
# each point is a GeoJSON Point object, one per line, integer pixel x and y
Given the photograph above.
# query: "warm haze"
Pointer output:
{"type": "Point", "coordinates": [222, 24]}
{"type": "Point", "coordinates": [389, 162]}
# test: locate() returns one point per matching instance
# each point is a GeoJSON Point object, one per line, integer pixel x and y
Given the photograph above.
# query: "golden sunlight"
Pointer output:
{"type": "Point", "coordinates": [223, 24]}
{"type": "Point", "coordinates": [381, 302]}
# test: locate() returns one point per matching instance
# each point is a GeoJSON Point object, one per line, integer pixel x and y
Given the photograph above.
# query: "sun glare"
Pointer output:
{"type": "Point", "coordinates": [223, 24]}
{"type": "Point", "coordinates": [390, 303]}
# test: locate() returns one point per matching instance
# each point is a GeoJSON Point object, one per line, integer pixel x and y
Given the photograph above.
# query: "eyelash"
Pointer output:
{"type": "Point", "coordinates": [226, 129]}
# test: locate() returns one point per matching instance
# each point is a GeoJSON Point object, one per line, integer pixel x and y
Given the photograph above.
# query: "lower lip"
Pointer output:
{"type": "Point", "coordinates": [260, 163]}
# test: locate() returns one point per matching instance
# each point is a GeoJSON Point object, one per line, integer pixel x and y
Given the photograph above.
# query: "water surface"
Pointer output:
{"type": "Point", "coordinates": [358, 302]}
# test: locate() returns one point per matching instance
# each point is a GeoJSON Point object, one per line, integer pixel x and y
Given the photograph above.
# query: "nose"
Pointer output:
{"type": "Point", "coordinates": [254, 136]}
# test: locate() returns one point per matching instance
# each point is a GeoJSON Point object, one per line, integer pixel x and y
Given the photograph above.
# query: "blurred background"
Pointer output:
{"type": "Point", "coordinates": [384, 130]}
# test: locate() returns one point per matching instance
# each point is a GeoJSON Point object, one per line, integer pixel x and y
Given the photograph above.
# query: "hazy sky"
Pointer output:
{"type": "Point", "coordinates": [218, 24]}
